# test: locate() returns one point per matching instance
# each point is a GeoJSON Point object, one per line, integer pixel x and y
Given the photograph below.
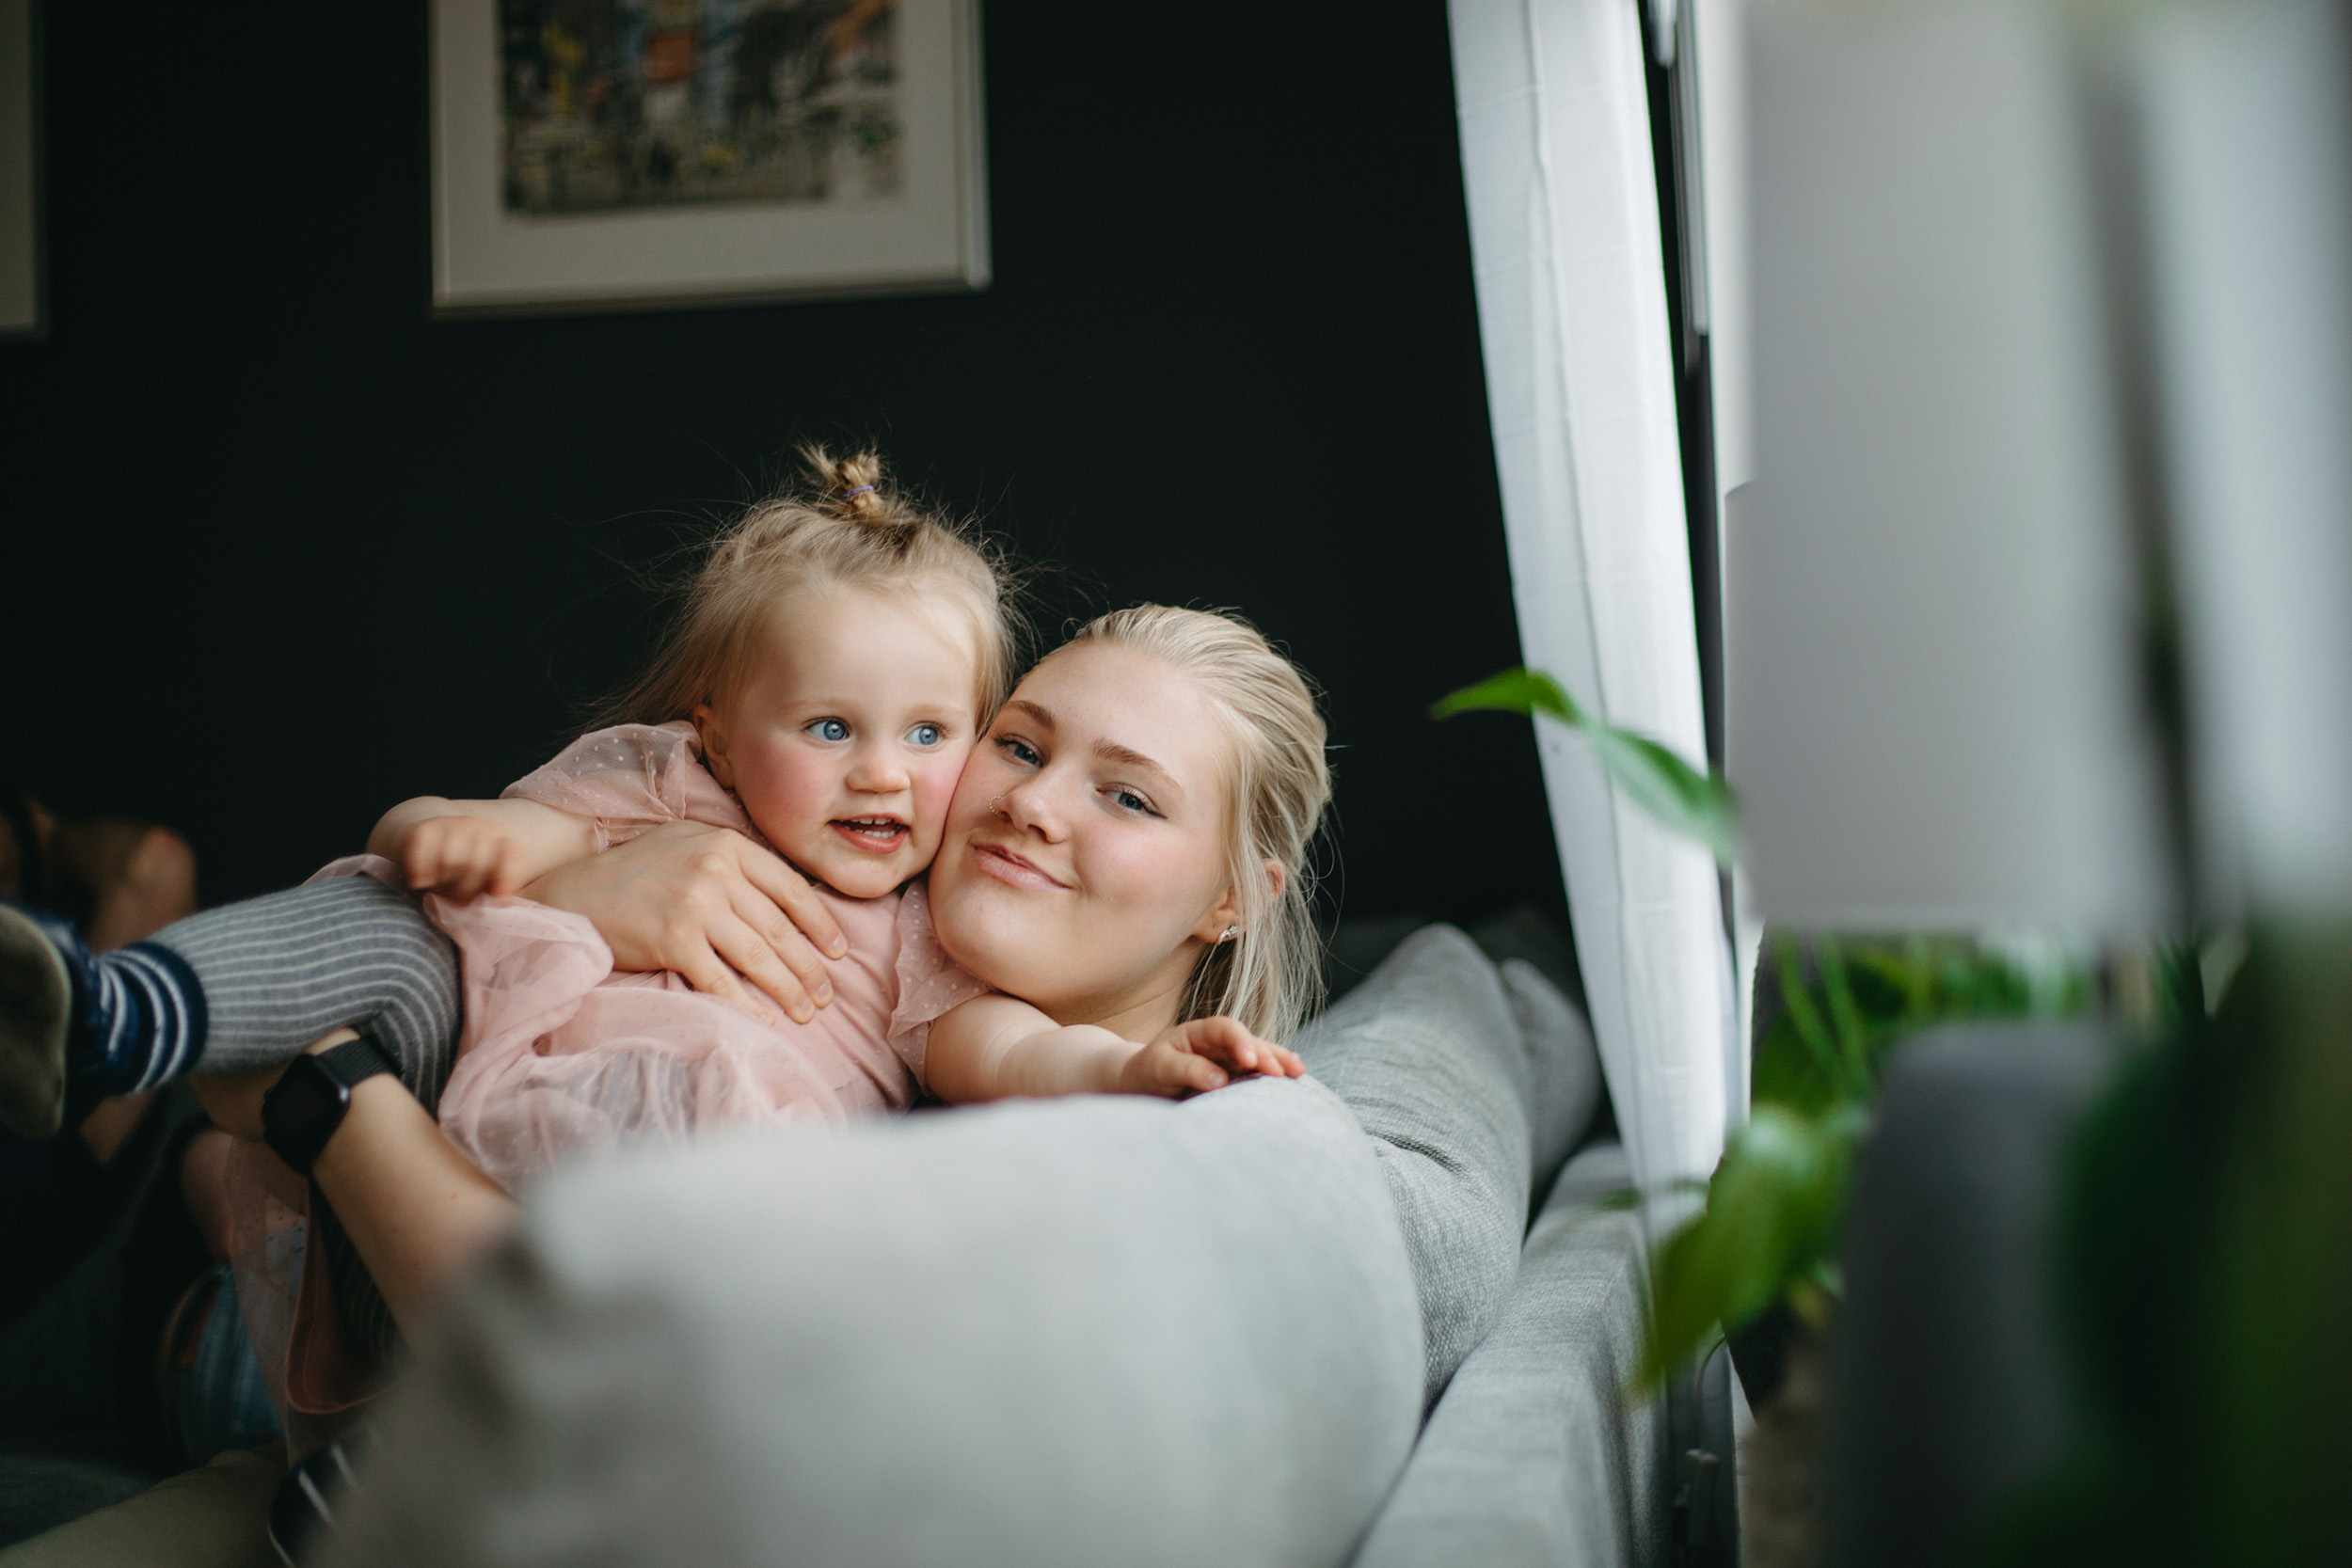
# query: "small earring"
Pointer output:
{"type": "Point", "coordinates": [1231, 932]}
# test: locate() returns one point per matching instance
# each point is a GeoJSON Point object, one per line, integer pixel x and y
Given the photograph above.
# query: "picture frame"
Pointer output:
{"type": "Point", "coordinates": [593, 155]}
{"type": "Point", "coordinates": [22, 306]}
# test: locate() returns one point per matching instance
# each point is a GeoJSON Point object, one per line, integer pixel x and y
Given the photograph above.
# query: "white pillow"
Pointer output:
{"type": "Point", "coordinates": [1083, 1332]}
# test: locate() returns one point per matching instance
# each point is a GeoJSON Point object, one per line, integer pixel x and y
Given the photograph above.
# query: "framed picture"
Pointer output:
{"type": "Point", "coordinates": [615, 154]}
{"type": "Point", "coordinates": [20, 172]}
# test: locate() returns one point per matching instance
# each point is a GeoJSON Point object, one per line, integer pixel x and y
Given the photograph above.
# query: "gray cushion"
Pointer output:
{"type": "Point", "coordinates": [1563, 1067]}
{"type": "Point", "coordinates": [1089, 1331]}
{"type": "Point", "coordinates": [1532, 1457]}
{"type": "Point", "coordinates": [1537, 963]}
{"type": "Point", "coordinates": [1427, 1054]}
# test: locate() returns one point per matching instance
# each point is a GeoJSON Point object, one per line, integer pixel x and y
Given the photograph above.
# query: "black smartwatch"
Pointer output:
{"type": "Point", "coordinates": [302, 1112]}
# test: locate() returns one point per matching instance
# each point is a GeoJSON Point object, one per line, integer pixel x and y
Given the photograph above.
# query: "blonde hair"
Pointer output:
{"type": "Point", "coordinates": [1276, 784]}
{"type": "Point", "coordinates": [845, 526]}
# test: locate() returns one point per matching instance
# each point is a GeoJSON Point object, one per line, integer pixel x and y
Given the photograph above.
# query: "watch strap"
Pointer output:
{"type": "Point", "coordinates": [300, 1113]}
{"type": "Point", "coordinates": [354, 1062]}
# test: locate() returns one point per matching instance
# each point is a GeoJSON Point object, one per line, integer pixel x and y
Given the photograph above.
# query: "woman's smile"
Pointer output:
{"type": "Point", "coordinates": [1013, 868]}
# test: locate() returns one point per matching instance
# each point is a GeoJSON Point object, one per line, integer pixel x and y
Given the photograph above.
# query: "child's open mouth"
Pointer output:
{"type": "Point", "coordinates": [877, 834]}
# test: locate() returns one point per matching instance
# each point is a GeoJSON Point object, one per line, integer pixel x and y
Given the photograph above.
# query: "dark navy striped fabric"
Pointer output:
{"type": "Point", "coordinates": [152, 1017]}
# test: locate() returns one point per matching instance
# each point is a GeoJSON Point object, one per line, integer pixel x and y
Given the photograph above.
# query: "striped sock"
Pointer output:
{"type": "Point", "coordinates": [277, 973]}
{"type": "Point", "coordinates": [133, 1019]}
{"type": "Point", "coordinates": [148, 1017]}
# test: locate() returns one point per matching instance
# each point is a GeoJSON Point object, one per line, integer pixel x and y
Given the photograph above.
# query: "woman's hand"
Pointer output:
{"type": "Point", "coordinates": [1205, 1054]}
{"type": "Point", "coordinates": [711, 904]}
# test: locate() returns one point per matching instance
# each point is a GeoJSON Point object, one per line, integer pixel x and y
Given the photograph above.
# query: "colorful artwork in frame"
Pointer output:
{"type": "Point", "coordinates": [601, 155]}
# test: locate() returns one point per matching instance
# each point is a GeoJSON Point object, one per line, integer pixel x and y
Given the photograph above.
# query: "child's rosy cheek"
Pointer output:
{"type": "Point", "coordinates": [942, 770]}
{"type": "Point", "coordinates": [934, 788]}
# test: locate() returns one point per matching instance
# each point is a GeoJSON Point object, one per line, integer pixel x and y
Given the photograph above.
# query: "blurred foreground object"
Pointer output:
{"type": "Point", "coordinates": [1935, 720]}
{"type": "Point", "coordinates": [2043, 616]}
{"type": "Point", "coordinates": [2245, 109]}
{"type": "Point", "coordinates": [2044, 604]}
{"type": "Point", "coordinates": [1084, 1332]}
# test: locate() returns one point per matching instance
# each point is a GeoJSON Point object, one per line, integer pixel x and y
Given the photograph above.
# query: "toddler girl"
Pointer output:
{"type": "Point", "coordinates": [835, 658]}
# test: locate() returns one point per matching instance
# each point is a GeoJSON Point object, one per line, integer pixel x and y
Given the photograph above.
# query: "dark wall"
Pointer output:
{"type": "Point", "coordinates": [279, 551]}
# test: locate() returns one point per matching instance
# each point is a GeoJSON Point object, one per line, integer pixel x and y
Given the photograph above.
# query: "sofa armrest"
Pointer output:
{"type": "Point", "coordinates": [1532, 1457]}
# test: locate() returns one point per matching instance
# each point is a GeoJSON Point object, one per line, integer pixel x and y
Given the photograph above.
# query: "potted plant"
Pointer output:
{"type": "Point", "coordinates": [1757, 1261]}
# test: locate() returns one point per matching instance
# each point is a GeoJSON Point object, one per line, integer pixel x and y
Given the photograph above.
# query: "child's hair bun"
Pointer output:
{"type": "Point", "coordinates": [844, 525]}
{"type": "Point", "coordinates": [853, 484]}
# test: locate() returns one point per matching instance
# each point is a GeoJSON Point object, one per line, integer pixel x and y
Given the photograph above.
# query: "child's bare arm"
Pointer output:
{"type": "Point", "coordinates": [462, 848]}
{"type": "Point", "coordinates": [996, 1047]}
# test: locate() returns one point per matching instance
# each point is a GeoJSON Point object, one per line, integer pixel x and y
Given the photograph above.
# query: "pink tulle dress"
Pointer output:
{"type": "Point", "coordinates": [560, 1054]}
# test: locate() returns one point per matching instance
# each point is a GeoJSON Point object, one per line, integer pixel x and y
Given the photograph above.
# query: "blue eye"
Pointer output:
{"type": "Point", "coordinates": [829, 729]}
{"type": "Point", "coordinates": [1019, 750]}
{"type": "Point", "coordinates": [1130, 801]}
{"type": "Point", "coordinates": [927, 735]}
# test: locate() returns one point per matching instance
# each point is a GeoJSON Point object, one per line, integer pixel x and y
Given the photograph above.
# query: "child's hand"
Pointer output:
{"type": "Point", "coordinates": [1205, 1054]}
{"type": "Point", "coordinates": [458, 855]}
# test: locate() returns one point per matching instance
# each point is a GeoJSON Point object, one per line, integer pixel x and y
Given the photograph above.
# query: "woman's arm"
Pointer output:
{"type": "Point", "coordinates": [418, 1211]}
{"type": "Point", "coordinates": [998, 1047]}
{"type": "Point", "coordinates": [463, 848]}
{"type": "Point", "coordinates": [708, 904]}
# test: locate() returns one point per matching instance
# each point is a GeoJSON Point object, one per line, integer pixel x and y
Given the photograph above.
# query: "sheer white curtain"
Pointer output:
{"type": "Point", "coordinates": [1580, 385]}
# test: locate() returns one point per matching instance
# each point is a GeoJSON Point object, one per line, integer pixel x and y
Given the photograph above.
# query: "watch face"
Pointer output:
{"type": "Point", "coordinates": [302, 1112]}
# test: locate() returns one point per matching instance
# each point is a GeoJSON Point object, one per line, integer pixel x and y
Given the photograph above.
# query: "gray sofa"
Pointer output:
{"type": "Point", "coordinates": [1076, 1333]}
{"type": "Point", "coordinates": [1291, 1322]}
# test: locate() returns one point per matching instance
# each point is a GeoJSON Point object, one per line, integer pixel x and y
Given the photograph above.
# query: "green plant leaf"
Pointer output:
{"type": "Point", "coordinates": [1798, 997]}
{"type": "Point", "coordinates": [1521, 691]}
{"type": "Point", "coordinates": [1892, 984]}
{"type": "Point", "coordinates": [1852, 1041]}
{"type": "Point", "coordinates": [1777, 1199]}
{"type": "Point", "coordinates": [1789, 1074]}
{"type": "Point", "coordinates": [1697, 805]}
{"type": "Point", "coordinates": [1771, 1219]}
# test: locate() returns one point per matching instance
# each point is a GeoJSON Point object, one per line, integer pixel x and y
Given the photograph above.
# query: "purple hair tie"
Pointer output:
{"type": "Point", "coordinates": [861, 490]}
